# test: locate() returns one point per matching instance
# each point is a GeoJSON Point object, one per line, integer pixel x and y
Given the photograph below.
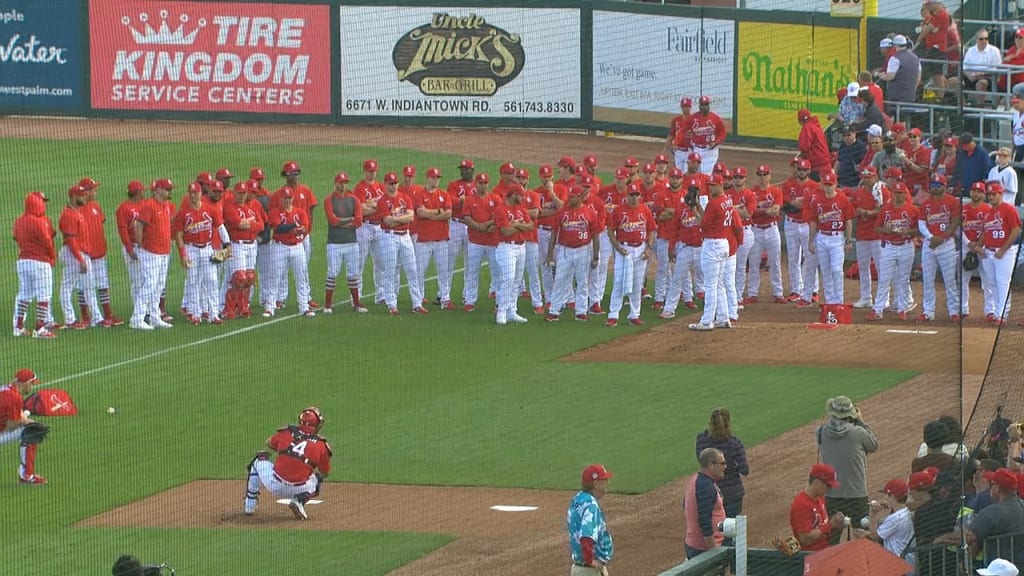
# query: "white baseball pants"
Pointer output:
{"type": "Point", "coordinates": [599, 275]}
{"type": "Point", "coordinates": [708, 159]}
{"type": "Point", "coordinates": [729, 285]}
{"type": "Point", "coordinates": [547, 273]}
{"type": "Point", "coordinates": [262, 472]}
{"type": "Point", "coordinates": [531, 274]}
{"type": "Point", "coordinates": [571, 265]}
{"type": "Point", "coordinates": [766, 240]}
{"type": "Point", "coordinates": [285, 257]}
{"type": "Point", "coordinates": [509, 262]}
{"type": "Point", "coordinates": [134, 268]}
{"type": "Point", "coordinates": [681, 284]}
{"type": "Point", "coordinates": [368, 236]}
{"type": "Point", "coordinates": [663, 275]}
{"type": "Point", "coordinates": [680, 156]}
{"type": "Point", "coordinates": [154, 280]}
{"type": "Point", "coordinates": [867, 251]}
{"type": "Point", "coordinates": [965, 289]}
{"type": "Point", "coordinates": [343, 256]}
{"type": "Point", "coordinates": [263, 272]}
{"type": "Point", "coordinates": [713, 256]}
{"type": "Point", "coordinates": [201, 282]}
{"type": "Point", "coordinates": [440, 252]}
{"type": "Point", "coordinates": [945, 259]}
{"type": "Point", "coordinates": [72, 278]}
{"type": "Point", "coordinates": [893, 274]}
{"type": "Point", "coordinates": [396, 253]}
{"type": "Point", "coordinates": [998, 272]}
{"type": "Point", "coordinates": [628, 280]}
{"type": "Point", "coordinates": [830, 251]}
{"type": "Point", "coordinates": [35, 282]}
{"type": "Point", "coordinates": [476, 255]}
{"type": "Point", "coordinates": [742, 261]}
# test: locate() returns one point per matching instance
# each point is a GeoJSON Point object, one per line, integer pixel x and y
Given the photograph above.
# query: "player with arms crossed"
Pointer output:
{"type": "Point", "coordinates": [513, 224]}
{"type": "Point", "coordinates": [938, 225]}
{"type": "Point", "coordinates": [767, 239]}
{"type": "Point", "coordinates": [972, 226]}
{"type": "Point", "coordinates": [194, 227]}
{"type": "Point", "coordinates": [126, 215]}
{"type": "Point", "coordinates": [433, 239]}
{"type": "Point", "coordinates": [303, 462]}
{"type": "Point", "coordinates": [868, 200]}
{"type": "Point", "coordinates": [897, 223]}
{"type": "Point", "coordinates": [395, 248]}
{"type": "Point", "coordinates": [572, 251]}
{"type": "Point", "coordinates": [830, 217]}
{"type": "Point", "coordinates": [707, 131]}
{"type": "Point", "coordinates": [16, 425]}
{"type": "Point", "coordinates": [997, 250]}
{"type": "Point", "coordinates": [344, 218]}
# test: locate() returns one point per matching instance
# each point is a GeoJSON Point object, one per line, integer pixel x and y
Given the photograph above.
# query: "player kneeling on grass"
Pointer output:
{"type": "Point", "coordinates": [16, 425]}
{"type": "Point", "coordinates": [303, 461]}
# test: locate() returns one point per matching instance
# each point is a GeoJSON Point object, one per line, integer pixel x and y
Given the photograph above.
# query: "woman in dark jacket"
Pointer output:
{"type": "Point", "coordinates": [719, 435]}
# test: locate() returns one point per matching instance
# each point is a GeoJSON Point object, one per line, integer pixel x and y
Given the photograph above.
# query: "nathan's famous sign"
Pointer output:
{"type": "Point", "coordinates": [458, 56]}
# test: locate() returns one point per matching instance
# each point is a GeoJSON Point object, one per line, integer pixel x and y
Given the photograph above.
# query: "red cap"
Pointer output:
{"type": "Point", "coordinates": [217, 185]}
{"type": "Point", "coordinates": [164, 183]}
{"type": "Point", "coordinates": [686, 102]}
{"type": "Point", "coordinates": [567, 162]}
{"type": "Point", "coordinates": [546, 171]}
{"type": "Point", "coordinates": [88, 183]}
{"type": "Point", "coordinates": [224, 173]}
{"type": "Point", "coordinates": [939, 179]}
{"type": "Point", "coordinates": [718, 168]}
{"type": "Point", "coordinates": [433, 173]}
{"type": "Point", "coordinates": [135, 186]}
{"type": "Point", "coordinates": [920, 481]}
{"type": "Point", "coordinates": [950, 142]}
{"type": "Point", "coordinates": [994, 188]}
{"type": "Point", "coordinates": [204, 178]}
{"type": "Point", "coordinates": [728, 176]}
{"type": "Point", "coordinates": [194, 188]}
{"type": "Point", "coordinates": [576, 191]}
{"type": "Point", "coordinates": [290, 168]}
{"type": "Point", "coordinates": [828, 177]}
{"type": "Point", "coordinates": [587, 180]}
{"type": "Point", "coordinates": [1003, 478]}
{"type": "Point", "coordinates": [482, 178]}
{"type": "Point", "coordinates": [705, 100]}
{"type": "Point", "coordinates": [896, 488]}
{"type": "Point", "coordinates": [648, 168]}
{"type": "Point", "coordinates": [869, 171]}
{"type": "Point", "coordinates": [370, 165]}
{"type": "Point", "coordinates": [893, 172]}
{"type": "Point", "coordinates": [596, 472]}
{"type": "Point", "coordinates": [1019, 33]}
{"type": "Point", "coordinates": [26, 376]}
{"type": "Point", "coordinates": [622, 172]}
{"type": "Point", "coordinates": [661, 159]}
{"type": "Point", "coordinates": [286, 192]}
{"type": "Point", "coordinates": [408, 171]}
{"type": "Point", "coordinates": [825, 473]}
{"type": "Point", "coordinates": [76, 190]}
{"type": "Point", "coordinates": [764, 169]}
{"type": "Point", "coordinates": [256, 174]}
{"type": "Point", "coordinates": [341, 178]}
{"type": "Point", "coordinates": [522, 173]}
{"type": "Point", "coordinates": [675, 173]}
{"type": "Point", "coordinates": [580, 170]}
{"type": "Point", "coordinates": [242, 187]}
{"type": "Point", "coordinates": [507, 168]}
{"type": "Point", "coordinates": [979, 186]}
{"type": "Point", "coordinates": [803, 164]}
{"type": "Point", "coordinates": [631, 162]}
{"type": "Point", "coordinates": [694, 157]}
{"type": "Point", "coordinates": [795, 160]}
{"type": "Point", "coordinates": [739, 172]}
{"type": "Point", "coordinates": [391, 178]}
{"type": "Point", "coordinates": [915, 132]}
{"type": "Point", "coordinates": [899, 127]}
{"type": "Point", "coordinates": [633, 189]}
{"type": "Point", "coordinates": [803, 114]}
{"type": "Point", "coordinates": [590, 160]}
{"type": "Point", "coordinates": [466, 163]}
{"type": "Point", "coordinates": [899, 187]}
{"type": "Point", "coordinates": [716, 180]}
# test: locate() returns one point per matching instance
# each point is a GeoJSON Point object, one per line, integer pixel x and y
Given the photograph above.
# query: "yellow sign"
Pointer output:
{"type": "Point", "coordinates": [785, 67]}
{"type": "Point", "coordinates": [847, 8]}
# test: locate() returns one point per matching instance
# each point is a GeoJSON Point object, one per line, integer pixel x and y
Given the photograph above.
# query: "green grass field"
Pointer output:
{"type": "Point", "coordinates": [445, 399]}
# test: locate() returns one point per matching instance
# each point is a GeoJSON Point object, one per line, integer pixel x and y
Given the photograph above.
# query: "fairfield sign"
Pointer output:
{"type": "Point", "coordinates": [217, 57]}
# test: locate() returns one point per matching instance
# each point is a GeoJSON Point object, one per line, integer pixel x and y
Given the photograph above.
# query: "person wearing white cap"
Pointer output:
{"type": "Point", "coordinates": [903, 72]}
{"type": "Point", "coordinates": [851, 110]}
{"type": "Point", "coordinates": [999, 567]}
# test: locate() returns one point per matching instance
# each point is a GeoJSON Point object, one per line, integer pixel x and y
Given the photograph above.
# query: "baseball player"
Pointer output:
{"type": "Point", "coordinates": [263, 249]}
{"type": "Point", "coordinates": [803, 275]}
{"type": "Point", "coordinates": [96, 249]}
{"type": "Point", "coordinates": [745, 201]}
{"type": "Point", "coordinates": [868, 200]}
{"type": "Point", "coordinates": [661, 169]}
{"type": "Point", "coordinates": [694, 177]}
{"type": "Point", "coordinates": [666, 199]}
{"type": "Point", "coordinates": [303, 462]}
{"type": "Point", "coordinates": [767, 240]}
{"type": "Point", "coordinates": [289, 225]}
{"type": "Point", "coordinates": [152, 236]}
{"type": "Point", "coordinates": [193, 228]}
{"type": "Point", "coordinates": [16, 425]}
{"type": "Point", "coordinates": [734, 236]}
{"type": "Point", "coordinates": [829, 216]}
{"type": "Point", "coordinates": [77, 270]}
{"type": "Point", "coordinates": [633, 165]}
{"type": "Point", "coordinates": [458, 238]}
{"type": "Point", "coordinates": [716, 220]}
{"type": "Point", "coordinates": [611, 196]}
{"type": "Point", "coordinates": [304, 201]}
{"type": "Point", "coordinates": [224, 176]}
{"type": "Point", "coordinates": [344, 218]}
{"type": "Point", "coordinates": [244, 220]}
{"type": "Point", "coordinates": [368, 191]}
{"type": "Point", "coordinates": [590, 543]}
{"type": "Point", "coordinates": [125, 215]}
{"type": "Point", "coordinates": [897, 223]}
{"type": "Point", "coordinates": [433, 215]}
{"type": "Point", "coordinates": [410, 188]}
{"type": "Point", "coordinates": [478, 214]}
{"type": "Point", "coordinates": [997, 250]}
{"type": "Point", "coordinates": [678, 141]}
{"type": "Point", "coordinates": [215, 197]}
{"type": "Point", "coordinates": [573, 252]}
{"type": "Point", "coordinates": [512, 222]}
{"type": "Point", "coordinates": [592, 198]}
{"type": "Point", "coordinates": [534, 258]}
{"type": "Point", "coordinates": [396, 248]}
{"type": "Point", "coordinates": [939, 224]}
{"type": "Point", "coordinates": [631, 231]}
{"type": "Point", "coordinates": [566, 172]}
{"type": "Point", "coordinates": [553, 196]}
{"type": "Point", "coordinates": [34, 233]}
{"type": "Point", "coordinates": [972, 226]}
{"type": "Point", "coordinates": [707, 132]}
{"type": "Point", "coordinates": [590, 163]}
{"type": "Point", "coordinates": [684, 253]}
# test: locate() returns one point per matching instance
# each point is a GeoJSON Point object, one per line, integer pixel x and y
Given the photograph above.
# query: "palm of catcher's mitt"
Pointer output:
{"type": "Point", "coordinates": [788, 545]}
{"type": "Point", "coordinates": [219, 256]}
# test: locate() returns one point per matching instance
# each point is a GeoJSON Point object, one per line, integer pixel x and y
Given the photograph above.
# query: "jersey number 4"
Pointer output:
{"type": "Point", "coordinates": [298, 449]}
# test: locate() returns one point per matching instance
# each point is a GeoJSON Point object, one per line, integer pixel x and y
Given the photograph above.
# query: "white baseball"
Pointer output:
{"type": "Point", "coordinates": [25, 413]}
{"type": "Point", "coordinates": [111, 410]}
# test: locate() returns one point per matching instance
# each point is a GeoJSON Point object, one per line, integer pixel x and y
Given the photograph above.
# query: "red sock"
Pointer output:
{"type": "Point", "coordinates": [353, 289]}
{"type": "Point", "coordinates": [163, 300]}
{"type": "Point", "coordinates": [107, 312]}
{"type": "Point", "coordinates": [86, 315]}
{"type": "Point", "coordinates": [28, 460]}
{"type": "Point", "coordinates": [41, 313]}
{"type": "Point", "coordinates": [328, 298]}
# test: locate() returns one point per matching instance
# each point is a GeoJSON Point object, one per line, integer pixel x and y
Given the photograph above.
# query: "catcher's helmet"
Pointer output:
{"type": "Point", "coordinates": [311, 418]}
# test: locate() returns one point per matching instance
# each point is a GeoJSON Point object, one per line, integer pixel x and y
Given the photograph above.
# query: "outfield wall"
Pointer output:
{"type": "Point", "coordinates": [614, 66]}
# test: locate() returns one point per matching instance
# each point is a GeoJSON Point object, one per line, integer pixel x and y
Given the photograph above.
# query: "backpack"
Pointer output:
{"type": "Point", "coordinates": [51, 402]}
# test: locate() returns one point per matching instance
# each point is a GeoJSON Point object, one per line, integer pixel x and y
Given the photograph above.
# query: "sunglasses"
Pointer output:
{"type": "Point", "coordinates": [985, 38]}
{"type": "Point", "coordinates": [914, 136]}
{"type": "Point", "coordinates": [764, 173]}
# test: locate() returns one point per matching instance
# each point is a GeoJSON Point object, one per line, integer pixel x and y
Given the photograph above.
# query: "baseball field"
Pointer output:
{"type": "Point", "coordinates": [433, 419]}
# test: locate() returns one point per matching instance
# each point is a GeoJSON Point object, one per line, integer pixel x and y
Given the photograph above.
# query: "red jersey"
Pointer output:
{"type": "Point", "coordinates": [698, 179]}
{"type": "Point", "coordinates": [126, 215]}
{"type": "Point", "coordinates": [678, 131]}
{"type": "Point", "coordinates": [1013, 57]}
{"type": "Point", "coordinates": [532, 202]}
{"type": "Point", "coordinates": [766, 198]}
{"type": "Point", "coordinates": [917, 181]}
{"type": "Point", "coordinates": [597, 205]}
{"type": "Point", "coordinates": [412, 191]}
{"type": "Point", "coordinates": [576, 227]}
{"type": "Point", "coordinates": [862, 198]}
{"type": "Point", "coordinates": [33, 232]}
{"type": "Point", "coordinates": [369, 193]}
{"type": "Point", "coordinates": [611, 197]}
{"type": "Point", "coordinates": [632, 224]}
{"type": "Point", "coordinates": [235, 212]}
{"type": "Point", "coordinates": [155, 216]}
{"type": "Point", "coordinates": [973, 220]}
{"type": "Point", "coordinates": [687, 228]}
{"type": "Point", "coordinates": [999, 223]}
{"type": "Point", "coordinates": [717, 219]}
{"type": "Point", "coordinates": [940, 37]}
{"type": "Point", "coordinates": [866, 161]}
{"type": "Point", "coordinates": [432, 201]}
{"type": "Point", "coordinates": [480, 210]}
{"type": "Point", "coordinates": [74, 232]}
{"type": "Point", "coordinates": [798, 190]}
{"type": "Point", "coordinates": [11, 405]}
{"type": "Point", "coordinates": [299, 454]}
{"type": "Point", "coordinates": [707, 130]}
{"type": "Point", "coordinates": [278, 217]}
{"type": "Point", "coordinates": [746, 198]}
{"type": "Point", "coordinates": [303, 199]}
{"type": "Point", "coordinates": [666, 198]}
{"type": "Point", "coordinates": [830, 214]}
{"type": "Point", "coordinates": [197, 225]}
{"type": "Point", "coordinates": [94, 220]}
{"type": "Point", "coordinates": [938, 213]}
{"type": "Point", "coordinates": [807, 514]}
{"type": "Point", "coordinates": [561, 192]}
{"type": "Point", "coordinates": [505, 216]}
{"type": "Point", "coordinates": [397, 205]}
{"type": "Point", "coordinates": [648, 192]}
{"type": "Point", "coordinates": [501, 189]}
{"type": "Point", "coordinates": [457, 191]}
{"type": "Point", "coordinates": [901, 218]}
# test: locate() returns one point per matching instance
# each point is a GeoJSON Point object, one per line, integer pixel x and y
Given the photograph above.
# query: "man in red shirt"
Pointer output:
{"type": "Point", "coordinates": [808, 517]}
{"type": "Point", "coordinates": [572, 251]}
{"type": "Point", "coordinates": [745, 201]}
{"type": "Point", "coordinates": [33, 232]}
{"type": "Point", "coordinates": [803, 268]}
{"type": "Point", "coordinates": [194, 227]}
{"type": "Point", "coordinates": [513, 223]}
{"type": "Point", "coordinates": [304, 201]}
{"type": "Point", "coordinates": [534, 258]}
{"type": "Point", "coordinates": [97, 252]}
{"type": "Point", "coordinates": [368, 191]}
{"type": "Point", "coordinates": [812, 143]}
{"type": "Point", "coordinates": [303, 462]}
{"type": "Point", "coordinates": [410, 188]}
{"type": "Point", "coordinates": [478, 214]}
{"type": "Point", "coordinates": [917, 166]}
{"type": "Point", "coordinates": [684, 254]}
{"type": "Point", "coordinates": [77, 266]}
{"type": "Point", "coordinates": [716, 221]}
{"type": "Point", "coordinates": [830, 217]}
{"type": "Point", "coordinates": [396, 248]}
{"type": "Point", "coordinates": [289, 226]}
{"type": "Point", "coordinates": [433, 212]}
{"type": "Point", "coordinates": [125, 215]}
{"type": "Point", "coordinates": [707, 132]}
{"type": "Point", "coordinates": [152, 234]}
{"type": "Point", "coordinates": [16, 425]}
{"type": "Point", "coordinates": [631, 231]}
{"type": "Point", "coordinates": [553, 196]}
{"type": "Point", "coordinates": [897, 223]}
{"type": "Point", "coordinates": [457, 232]}
{"type": "Point", "coordinates": [678, 141]}
{"type": "Point", "coordinates": [664, 203]}
{"type": "Point", "coordinates": [997, 249]}
{"type": "Point", "coordinates": [611, 196]}
{"type": "Point", "coordinates": [868, 200]}
{"type": "Point", "coordinates": [244, 219]}
{"type": "Point", "coordinates": [940, 221]}
{"type": "Point", "coordinates": [972, 227]}
{"type": "Point", "coordinates": [767, 240]}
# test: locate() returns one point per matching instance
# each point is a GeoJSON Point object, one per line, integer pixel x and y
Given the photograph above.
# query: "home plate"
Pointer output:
{"type": "Point", "coordinates": [505, 508]}
{"type": "Point", "coordinates": [892, 331]}
{"type": "Point", "coordinates": [285, 501]}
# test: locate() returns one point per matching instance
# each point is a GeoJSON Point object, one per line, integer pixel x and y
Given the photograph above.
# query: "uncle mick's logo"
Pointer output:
{"type": "Point", "coordinates": [458, 56]}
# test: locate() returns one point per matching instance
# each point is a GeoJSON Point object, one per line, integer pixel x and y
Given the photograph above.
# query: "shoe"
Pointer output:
{"type": "Point", "coordinates": [490, 295]}
{"type": "Point", "coordinates": [814, 297]}
{"type": "Point", "coordinates": [925, 318]}
{"type": "Point", "coordinates": [990, 318]}
{"type": "Point", "coordinates": [216, 321]}
{"type": "Point", "coordinates": [596, 309]}
{"type": "Point", "coordinates": [278, 304]}
{"type": "Point", "coordinates": [34, 479]}
{"type": "Point", "coordinates": [226, 316]}
{"type": "Point", "coordinates": [102, 324]}
{"type": "Point", "coordinates": [666, 315]}
{"type": "Point", "coordinates": [313, 304]}
{"type": "Point", "coordinates": [448, 306]}
{"type": "Point", "coordinates": [167, 318]}
{"type": "Point", "coordinates": [873, 316]}
{"type": "Point", "coordinates": [582, 318]}
{"type": "Point", "coordinates": [539, 311]}
{"type": "Point", "coordinates": [658, 305]}
{"type": "Point", "coordinates": [571, 305]}
{"type": "Point", "coordinates": [309, 314]}
{"type": "Point", "coordinates": [612, 322]}
{"type": "Point", "coordinates": [54, 326]}
{"type": "Point", "coordinates": [645, 294]}
{"type": "Point", "coordinates": [902, 316]}
{"type": "Point", "coordinates": [518, 319]}
{"type": "Point", "coordinates": [394, 311]}
{"type": "Point", "coordinates": [78, 325]}
{"type": "Point", "coordinates": [793, 297]}
{"type": "Point", "coordinates": [636, 322]}
{"type": "Point", "coordinates": [999, 322]}
{"type": "Point", "coordinates": [500, 320]}
{"type": "Point", "coordinates": [437, 301]}
{"type": "Point", "coordinates": [19, 332]}
{"type": "Point", "coordinates": [862, 303]}
{"type": "Point", "coordinates": [297, 508]}
{"type": "Point", "coordinates": [551, 318]}
{"type": "Point", "coordinates": [690, 305]}
{"type": "Point", "coordinates": [780, 300]}
{"type": "Point", "coordinates": [328, 310]}
{"type": "Point", "coordinates": [525, 294]}
{"type": "Point", "coordinates": [749, 300]}
{"type": "Point", "coordinates": [700, 295]}
{"type": "Point", "coordinates": [468, 308]}
{"type": "Point", "coordinates": [701, 327]}
{"type": "Point", "coordinates": [804, 304]}
{"type": "Point", "coordinates": [724, 325]}
{"type": "Point", "coordinates": [912, 307]}
{"type": "Point", "coordinates": [43, 333]}
{"type": "Point", "coordinates": [248, 509]}
{"type": "Point", "coordinates": [955, 318]}
{"type": "Point", "coordinates": [115, 321]}
{"type": "Point", "coordinates": [268, 314]}
{"type": "Point", "coordinates": [360, 309]}
{"type": "Point", "coordinates": [139, 325]}
{"type": "Point", "coordinates": [194, 320]}
{"type": "Point", "coordinates": [423, 302]}
{"type": "Point", "coordinates": [739, 306]}
{"type": "Point", "coordinates": [159, 323]}
{"type": "Point", "coordinates": [420, 310]}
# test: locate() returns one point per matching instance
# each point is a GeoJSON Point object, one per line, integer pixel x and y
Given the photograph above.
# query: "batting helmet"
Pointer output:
{"type": "Point", "coordinates": [311, 417]}
{"type": "Point", "coordinates": [290, 168]}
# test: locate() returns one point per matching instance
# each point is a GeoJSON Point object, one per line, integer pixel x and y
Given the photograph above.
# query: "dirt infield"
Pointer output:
{"type": "Point", "coordinates": [648, 528]}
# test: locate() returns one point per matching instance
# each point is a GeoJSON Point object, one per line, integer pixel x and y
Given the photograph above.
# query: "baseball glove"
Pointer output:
{"type": "Point", "coordinates": [34, 433]}
{"type": "Point", "coordinates": [788, 208]}
{"type": "Point", "coordinates": [788, 545]}
{"type": "Point", "coordinates": [219, 256]}
{"type": "Point", "coordinates": [970, 261]}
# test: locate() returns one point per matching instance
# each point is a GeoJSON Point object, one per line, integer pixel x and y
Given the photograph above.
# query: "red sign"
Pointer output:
{"type": "Point", "coordinates": [214, 57]}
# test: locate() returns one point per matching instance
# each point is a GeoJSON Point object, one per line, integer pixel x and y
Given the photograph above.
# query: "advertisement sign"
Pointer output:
{"type": "Point", "coordinates": [782, 68]}
{"type": "Point", "coordinates": [644, 64]}
{"type": "Point", "coordinates": [41, 57]}
{"type": "Point", "coordinates": [210, 56]}
{"type": "Point", "coordinates": [847, 8]}
{"type": "Point", "coordinates": [460, 62]}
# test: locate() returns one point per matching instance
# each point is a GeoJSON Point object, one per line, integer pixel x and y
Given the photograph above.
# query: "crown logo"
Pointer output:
{"type": "Point", "coordinates": [163, 34]}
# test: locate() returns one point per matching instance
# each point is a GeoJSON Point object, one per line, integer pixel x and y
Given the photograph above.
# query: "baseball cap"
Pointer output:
{"type": "Point", "coordinates": [994, 188]}
{"type": "Point", "coordinates": [686, 102]}
{"type": "Point", "coordinates": [217, 186]}
{"type": "Point", "coordinates": [999, 567]}
{"type": "Point", "coordinates": [828, 177]}
{"type": "Point", "coordinates": [631, 162]}
{"type": "Point", "coordinates": [885, 43]}
{"type": "Point", "coordinates": [88, 183]}
{"type": "Point", "coordinates": [483, 178]}
{"type": "Point", "coordinates": [893, 172]}
{"type": "Point", "coordinates": [256, 174]}
{"type": "Point", "coordinates": [705, 100]}
{"type": "Point", "coordinates": [1019, 33]}
{"type": "Point", "coordinates": [896, 488]}
{"type": "Point", "coordinates": [567, 162]}
{"type": "Point", "coordinates": [224, 173]}
{"type": "Point", "coordinates": [899, 128]}
{"type": "Point", "coordinates": [633, 190]}
{"type": "Point", "coordinates": [587, 180]}
{"type": "Point", "coordinates": [507, 168]}
{"type": "Point", "coordinates": [370, 165]}
{"type": "Point", "coordinates": [466, 163]}
{"type": "Point", "coordinates": [590, 160]}
{"type": "Point", "coordinates": [408, 170]}
{"type": "Point", "coordinates": [433, 172]}
{"type": "Point", "coordinates": [290, 168]}
{"type": "Point", "coordinates": [242, 186]}
{"type": "Point", "coordinates": [622, 172]}
{"type": "Point", "coordinates": [675, 173]}
{"type": "Point", "coordinates": [739, 172]}
{"type": "Point", "coordinates": [340, 177]}
{"type": "Point", "coordinates": [899, 187]}
{"type": "Point", "coordinates": [803, 164]}
{"type": "Point", "coordinates": [163, 183]}
{"type": "Point", "coordinates": [204, 178]}
{"type": "Point", "coordinates": [899, 40]}
{"type": "Point", "coordinates": [522, 173]}
{"type": "Point", "coordinates": [1003, 478]}
{"type": "Point", "coordinates": [716, 180]}
{"type": "Point", "coordinates": [950, 142]}
{"type": "Point", "coordinates": [718, 168]}
{"type": "Point", "coordinates": [580, 170]}
{"type": "Point", "coordinates": [869, 171]}
{"type": "Point", "coordinates": [546, 170]}
{"type": "Point", "coordinates": [648, 168]}
{"type": "Point", "coordinates": [979, 186]}
{"type": "Point", "coordinates": [764, 170]}
{"type": "Point", "coordinates": [803, 114]}
{"type": "Point", "coordinates": [287, 192]}
{"type": "Point", "coordinates": [391, 178]}
{"type": "Point", "coordinates": [26, 376]}
{"type": "Point", "coordinates": [136, 186]}
{"type": "Point", "coordinates": [576, 191]}
{"type": "Point", "coordinates": [939, 181]}
{"type": "Point", "coordinates": [661, 159]}
{"type": "Point", "coordinates": [694, 157]}
{"type": "Point", "coordinates": [825, 473]}
{"type": "Point", "coordinates": [596, 472]}
{"type": "Point", "coordinates": [852, 89]}
{"type": "Point", "coordinates": [915, 132]}
{"type": "Point", "coordinates": [920, 481]}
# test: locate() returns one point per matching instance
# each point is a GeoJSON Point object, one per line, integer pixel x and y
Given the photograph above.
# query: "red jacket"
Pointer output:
{"type": "Point", "coordinates": [813, 145]}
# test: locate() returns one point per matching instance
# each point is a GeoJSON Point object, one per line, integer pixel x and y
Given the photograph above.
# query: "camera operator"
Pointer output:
{"type": "Point", "coordinates": [844, 443]}
{"type": "Point", "coordinates": [130, 566]}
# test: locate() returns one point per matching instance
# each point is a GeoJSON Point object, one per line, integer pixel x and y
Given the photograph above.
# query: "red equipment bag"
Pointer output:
{"type": "Point", "coordinates": [51, 402]}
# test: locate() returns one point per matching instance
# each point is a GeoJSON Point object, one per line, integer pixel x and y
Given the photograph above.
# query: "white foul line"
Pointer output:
{"type": "Point", "coordinates": [894, 331]}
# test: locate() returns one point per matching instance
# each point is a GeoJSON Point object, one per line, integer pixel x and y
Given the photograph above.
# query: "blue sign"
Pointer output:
{"type": "Point", "coordinates": [42, 59]}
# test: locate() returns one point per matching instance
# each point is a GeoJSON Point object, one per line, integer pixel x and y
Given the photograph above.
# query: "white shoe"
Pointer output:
{"type": "Point", "coordinates": [43, 333]}
{"type": "Point", "coordinates": [863, 303]}
{"type": "Point", "coordinates": [268, 314]}
{"type": "Point", "coordinates": [911, 307]}
{"type": "Point", "coordinates": [725, 325]}
{"type": "Point", "coordinates": [298, 510]}
{"type": "Point", "coordinates": [518, 319]}
{"type": "Point", "coordinates": [18, 332]}
{"type": "Point", "coordinates": [739, 307]}
{"type": "Point", "coordinates": [328, 310]}
{"type": "Point", "coordinates": [667, 315]}
{"type": "Point", "coordinates": [158, 323]}
{"type": "Point", "coordinates": [139, 325]}
{"type": "Point", "coordinates": [249, 508]}
{"type": "Point", "coordinates": [360, 309]}
{"type": "Point", "coordinates": [500, 320]}
{"type": "Point", "coordinates": [309, 314]}
{"type": "Point", "coordinates": [701, 327]}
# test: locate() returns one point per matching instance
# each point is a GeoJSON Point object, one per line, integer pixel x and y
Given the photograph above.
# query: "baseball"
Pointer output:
{"type": "Point", "coordinates": [110, 410]}
{"type": "Point", "coordinates": [25, 413]}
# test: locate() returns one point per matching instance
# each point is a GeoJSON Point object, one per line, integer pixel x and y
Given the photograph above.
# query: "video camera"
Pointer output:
{"type": "Point", "coordinates": [130, 566]}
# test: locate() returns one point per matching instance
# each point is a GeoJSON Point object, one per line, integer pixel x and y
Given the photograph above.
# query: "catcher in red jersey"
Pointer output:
{"type": "Point", "coordinates": [16, 425]}
{"type": "Point", "coordinates": [34, 233]}
{"type": "Point", "coordinates": [303, 462]}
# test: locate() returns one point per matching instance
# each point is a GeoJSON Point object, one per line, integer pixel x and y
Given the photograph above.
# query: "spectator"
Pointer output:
{"type": "Point", "coordinates": [874, 147]}
{"type": "Point", "coordinates": [844, 443]}
{"type": "Point", "coordinates": [932, 519]}
{"type": "Point", "coordinates": [933, 41]}
{"type": "Point", "coordinates": [980, 62]}
{"type": "Point", "coordinates": [848, 158]}
{"type": "Point", "coordinates": [972, 162]}
{"type": "Point", "coordinates": [808, 516]}
{"type": "Point", "coordinates": [917, 166]}
{"type": "Point", "coordinates": [901, 136]}
{"type": "Point", "coordinates": [887, 50]}
{"type": "Point", "coordinates": [812, 143]}
{"type": "Point", "coordinates": [703, 504]}
{"type": "Point", "coordinates": [982, 497]}
{"type": "Point", "coordinates": [954, 442]}
{"type": "Point", "coordinates": [1017, 127]}
{"type": "Point", "coordinates": [867, 81]}
{"type": "Point", "coordinates": [851, 108]}
{"type": "Point", "coordinates": [903, 74]}
{"type": "Point", "coordinates": [719, 435]}
{"type": "Point", "coordinates": [890, 156]}
{"type": "Point", "coordinates": [1014, 57]}
{"type": "Point", "coordinates": [945, 161]}
{"type": "Point", "coordinates": [873, 115]}
{"type": "Point", "coordinates": [1003, 517]}
{"type": "Point", "coordinates": [890, 521]}
{"type": "Point", "coordinates": [935, 435]}
{"type": "Point", "coordinates": [1003, 173]}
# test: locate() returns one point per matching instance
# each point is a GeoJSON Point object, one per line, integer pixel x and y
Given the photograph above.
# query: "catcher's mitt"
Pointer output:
{"type": "Point", "coordinates": [788, 545]}
{"type": "Point", "coordinates": [970, 261]}
{"type": "Point", "coordinates": [788, 208]}
{"type": "Point", "coordinates": [219, 256]}
{"type": "Point", "coordinates": [34, 433]}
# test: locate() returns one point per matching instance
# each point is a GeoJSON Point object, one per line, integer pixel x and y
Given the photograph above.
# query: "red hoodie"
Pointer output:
{"type": "Point", "coordinates": [34, 232]}
{"type": "Point", "coordinates": [813, 145]}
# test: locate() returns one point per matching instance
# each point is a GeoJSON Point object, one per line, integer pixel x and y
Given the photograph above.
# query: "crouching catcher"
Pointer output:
{"type": "Point", "coordinates": [16, 425]}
